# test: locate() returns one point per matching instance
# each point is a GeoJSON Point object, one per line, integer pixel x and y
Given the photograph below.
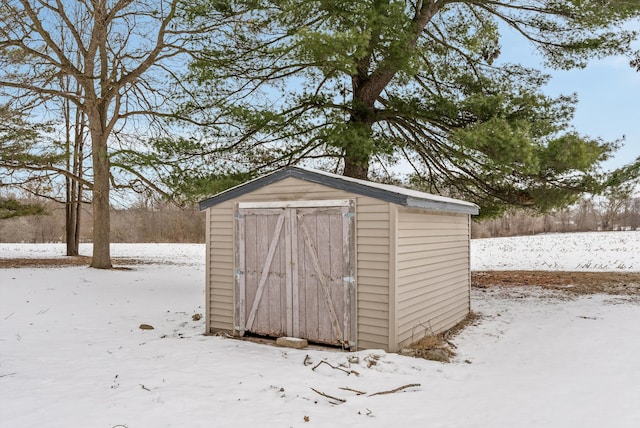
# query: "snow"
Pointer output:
{"type": "Point", "coordinates": [589, 251]}
{"type": "Point", "coordinates": [72, 353]}
{"type": "Point", "coordinates": [183, 254]}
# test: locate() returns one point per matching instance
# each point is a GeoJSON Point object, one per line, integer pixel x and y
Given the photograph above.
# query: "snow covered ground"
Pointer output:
{"type": "Point", "coordinates": [589, 251]}
{"type": "Point", "coordinates": [72, 355]}
{"type": "Point", "coordinates": [181, 254]}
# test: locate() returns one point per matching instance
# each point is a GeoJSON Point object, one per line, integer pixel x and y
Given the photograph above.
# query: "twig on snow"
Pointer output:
{"type": "Point", "coordinates": [144, 387]}
{"type": "Point", "coordinates": [391, 391]}
{"type": "Point", "coordinates": [307, 361]}
{"type": "Point", "coordinates": [8, 374]}
{"type": "Point", "coordinates": [348, 372]}
{"type": "Point", "coordinates": [346, 388]}
{"type": "Point", "coordinates": [331, 397]}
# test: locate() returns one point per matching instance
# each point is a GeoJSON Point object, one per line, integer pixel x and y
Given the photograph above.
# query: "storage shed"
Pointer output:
{"type": "Point", "coordinates": [335, 260]}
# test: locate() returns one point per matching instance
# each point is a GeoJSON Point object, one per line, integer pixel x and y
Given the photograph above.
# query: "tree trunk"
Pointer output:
{"type": "Point", "coordinates": [367, 86]}
{"type": "Point", "coordinates": [70, 219]}
{"type": "Point", "coordinates": [74, 186]}
{"type": "Point", "coordinates": [100, 205]}
{"type": "Point", "coordinates": [356, 166]}
{"type": "Point", "coordinates": [70, 183]}
{"type": "Point", "coordinates": [356, 158]}
{"type": "Point", "coordinates": [78, 209]}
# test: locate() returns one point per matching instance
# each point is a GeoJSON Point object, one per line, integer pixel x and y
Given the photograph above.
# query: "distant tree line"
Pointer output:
{"type": "Point", "coordinates": [590, 214]}
{"type": "Point", "coordinates": [182, 99]}
{"type": "Point", "coordinates": [149, 220]}
{"type": "Point", "coordinates": [144, 221]}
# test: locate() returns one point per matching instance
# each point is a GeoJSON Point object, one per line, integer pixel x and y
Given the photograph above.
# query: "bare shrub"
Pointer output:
{"type": "Point", "coordinates": [439, 346]}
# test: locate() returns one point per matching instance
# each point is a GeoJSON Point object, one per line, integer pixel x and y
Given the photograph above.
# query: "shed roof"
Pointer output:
{"type": "Point", "coordinates": [386, 192]}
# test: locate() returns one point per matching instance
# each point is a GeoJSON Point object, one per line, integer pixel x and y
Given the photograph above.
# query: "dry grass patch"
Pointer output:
{"type": "Point", "coordinates": [438, 347]}
{"type": "Point", "coordinates": [60, 262]}
{"type": "Point", "coordinates": [578, 283]}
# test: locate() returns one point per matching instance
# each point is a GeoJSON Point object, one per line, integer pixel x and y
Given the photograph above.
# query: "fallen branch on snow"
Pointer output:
{"type": "Point", "coordinates": [391, 391]}
{"type": "Point", "coordinates": [346, 388]}
{"type": "Point", "coordinates": [331, 397]}
{"type": "Point", "coordinates": [348, 372]}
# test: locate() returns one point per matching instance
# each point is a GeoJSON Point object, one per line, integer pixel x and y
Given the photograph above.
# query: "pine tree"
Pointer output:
{"type": "Point", "coordinates": [362, 83]}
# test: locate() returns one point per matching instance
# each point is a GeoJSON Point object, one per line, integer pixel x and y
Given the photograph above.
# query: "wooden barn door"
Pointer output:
{"type": "Point", "coordinates": [262, 273]}
{"type": "Point", "coordinates": [295, 271]}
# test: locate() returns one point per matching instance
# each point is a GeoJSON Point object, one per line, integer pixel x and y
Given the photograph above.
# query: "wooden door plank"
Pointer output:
{"type": "Point", "coordinates": [265, 270]}
{"type": "Point", "coordinates": [320, 222]}
{"type": "Point", "coordinates": [265, 227]}
{"type": "Point", "coordinates": [297, 266]}
{"type": "Point", "coordinates": [288, 273]}
{"type": "Point", "coordinates": [310, 296]}
{"type": "Point", "coordinates": [253, 260]}
{"type": "Point", "coordinates": [321, 279]}
{"type": "Point", "coordinates": [336, 267]}
{"type": "Point", "coordinates": [294, 272]}
{"type": "Point", "coordinates": [308, 287]}
{"type": "Point", "coordinates": [273, 300]}
{"type": "Point", "coordinates": [349, 255]}
{"type": "Point", "coordinates": [240, 273]}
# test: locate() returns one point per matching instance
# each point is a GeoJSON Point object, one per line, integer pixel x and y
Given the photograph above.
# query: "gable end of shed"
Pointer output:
{"type": "Point", "coordinates": [387, 193]}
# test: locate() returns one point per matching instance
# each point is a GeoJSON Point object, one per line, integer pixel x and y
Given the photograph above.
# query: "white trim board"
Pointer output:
{"type": "Point", "coordinates": [295, 204]}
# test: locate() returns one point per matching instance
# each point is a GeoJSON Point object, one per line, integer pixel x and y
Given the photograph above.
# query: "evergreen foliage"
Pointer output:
{"type": "Point", "coordinates": [18, 139]}
{"type": "Point", "coordinates": [373, 82]}
{"type": "Point", "coordinates": [10, 208]}
{"type": "Point", "coordinates": [26, 156]}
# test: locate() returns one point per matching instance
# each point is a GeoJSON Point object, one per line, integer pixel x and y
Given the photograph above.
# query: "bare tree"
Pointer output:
{"type": "Point", "coordinates": [633, 214]}
{"type": "Point", "coordinates": [586, 214]}
{"type": "Point", "coordinates": [613, 203]}
{"type": "Point", "coordinates": [616, 209]}
{"type": "Point", "coordinates": [115, 61]}
{"type": "Point", "coordinates": [74, 141]}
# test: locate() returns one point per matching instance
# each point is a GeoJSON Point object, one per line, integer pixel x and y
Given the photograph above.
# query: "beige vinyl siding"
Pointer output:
{"type": "Point", "coordinates": [220, 272]}
{"type": "Point", "coordinates": [373, 273]}
{"type": "Point", "coordinates": [207, 270]}
{"type": "Point", "coordinates": [372, 261]}
{"type": "Point", "coordinates": [432, 275]}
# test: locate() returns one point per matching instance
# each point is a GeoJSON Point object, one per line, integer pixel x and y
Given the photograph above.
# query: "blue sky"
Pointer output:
{"type": "Point", "coordinates": [608, 104]}
{"type": "Point", "coordinates": [608, 93]}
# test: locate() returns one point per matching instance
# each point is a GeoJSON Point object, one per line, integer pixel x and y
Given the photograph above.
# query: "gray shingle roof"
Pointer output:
{"type": "Point", "coordinates": [386, 192]}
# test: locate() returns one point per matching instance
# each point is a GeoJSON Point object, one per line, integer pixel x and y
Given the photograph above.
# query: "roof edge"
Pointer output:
{"type": "Point", "coordinates": [442, 206]}
{"type": "Point", "coordinates": [360, 187]}
{"type": "Point", "coordinates": [247, 187]}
